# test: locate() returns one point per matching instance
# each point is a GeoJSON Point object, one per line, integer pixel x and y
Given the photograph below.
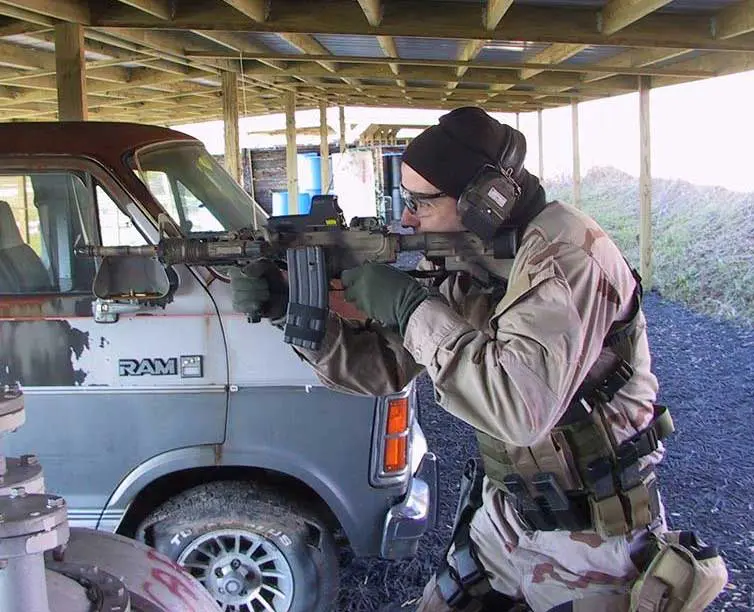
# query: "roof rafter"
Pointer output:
{"type": "Point", "coordinates": [494, 12]}
{"type": "Point", "coordinates": [734, 20]}
{"type": "Point", "coordinates": [554, 54]}
{"type": "Point", "coordinates": [446, 20]}
{"type": "Point", "coordinates": [235, 41]}
{"type": "Point", "coordinates": [617, 14]}
{"type": "Point", "coordinates": [164, 9]}
{"type": "Point", "coordinates": [253, 9]}
{"type": "Point", "coordinates": [631, 59]}
{"type": "Point", "coordinates": [387, 44]}
{"type": "Point", "coordinates": [309, 45]}
{"type": "Point", "coordinates": [625, 63]}
{"type": "Point", "coordinates": [372, 10]}
{"type": "Point", "coordinates": [76, 11]}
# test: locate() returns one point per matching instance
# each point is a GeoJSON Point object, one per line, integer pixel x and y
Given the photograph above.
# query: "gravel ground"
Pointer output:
{"type": "Point", "coordinates": [706, 373]}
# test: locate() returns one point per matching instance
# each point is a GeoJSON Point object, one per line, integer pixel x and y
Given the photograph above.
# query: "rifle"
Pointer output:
{"type": "Point", "coordinates": [315, 249]}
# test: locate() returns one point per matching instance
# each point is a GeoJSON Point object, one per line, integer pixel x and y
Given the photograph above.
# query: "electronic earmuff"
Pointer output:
{"type": "Point", "coordinates": [487, 201]}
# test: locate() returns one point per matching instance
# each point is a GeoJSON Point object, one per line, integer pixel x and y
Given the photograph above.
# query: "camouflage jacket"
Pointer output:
{"type": "Point", "coordinates": [509, 367]}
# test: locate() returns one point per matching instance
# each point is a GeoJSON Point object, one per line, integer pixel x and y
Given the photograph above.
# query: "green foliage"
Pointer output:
{"type": "Point", "coordinates": [703, 237]}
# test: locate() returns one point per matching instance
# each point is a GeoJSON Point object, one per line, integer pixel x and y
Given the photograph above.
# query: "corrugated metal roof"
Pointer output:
{"type": "Point", "coordinates": [45, 45]}
{"type": "Point", "coordinates": [427, 48]}
{"type": "Point", "coordinates": [366, 46]}
{"type": "Point", "coordinates": [274, 42]}
{"type": "Point", "coordinates": [509, 52]}
{"type": "Point", "coordinates": [696, 6]}
{"type": "Point", "coordinates": [592, 55]}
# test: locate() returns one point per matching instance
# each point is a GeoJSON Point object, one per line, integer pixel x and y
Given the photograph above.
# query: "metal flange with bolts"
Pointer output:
{"type": "Point", "coordinates": [45, 566]}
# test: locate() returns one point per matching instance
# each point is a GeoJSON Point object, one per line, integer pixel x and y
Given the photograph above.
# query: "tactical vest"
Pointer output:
{"type": "Point", "coordinates": [579, 478]}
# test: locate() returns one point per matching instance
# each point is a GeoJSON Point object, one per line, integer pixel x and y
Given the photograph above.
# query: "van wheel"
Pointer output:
{"type": "Point", "coordinates": [252, 549]}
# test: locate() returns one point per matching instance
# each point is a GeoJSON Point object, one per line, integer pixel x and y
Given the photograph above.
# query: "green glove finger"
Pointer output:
{"type": "Point", "coordinates": [352, 295]}
{"type": "Point", "coordinates": [257, 268]}
{"type": "Point", "coordinates": [350, 276]}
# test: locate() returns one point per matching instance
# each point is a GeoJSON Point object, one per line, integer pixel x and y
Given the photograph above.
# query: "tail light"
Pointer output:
{"type": "Point", "coordinates": [391, 451]}
{"type": "Point", "coordinates": [396, 436]}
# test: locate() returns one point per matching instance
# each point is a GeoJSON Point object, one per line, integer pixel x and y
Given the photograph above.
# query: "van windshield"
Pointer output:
{"type": "Point", "coordinates": [195, 190]}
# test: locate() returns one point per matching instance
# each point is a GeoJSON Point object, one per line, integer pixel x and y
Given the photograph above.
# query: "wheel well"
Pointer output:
{"type": "Point", "coordinates": [163, 488]}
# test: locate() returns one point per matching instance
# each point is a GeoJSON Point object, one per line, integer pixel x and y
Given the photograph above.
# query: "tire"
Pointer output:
{"type": "Point", "coordinates": [252, 549]}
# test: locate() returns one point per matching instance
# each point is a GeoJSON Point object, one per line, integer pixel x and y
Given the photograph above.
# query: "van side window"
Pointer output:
{"type": "Point", "coordinates": [43, 216]}
{"type": "Point", "coordinates": [116, 228]}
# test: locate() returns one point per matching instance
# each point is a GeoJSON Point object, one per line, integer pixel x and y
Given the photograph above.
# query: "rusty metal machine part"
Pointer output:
{"type": "Point", "coordinates": [45, 567]}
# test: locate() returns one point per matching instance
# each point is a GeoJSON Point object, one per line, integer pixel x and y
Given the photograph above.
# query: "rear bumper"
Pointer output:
{"type": "Point", "coordinates": [409, 520]}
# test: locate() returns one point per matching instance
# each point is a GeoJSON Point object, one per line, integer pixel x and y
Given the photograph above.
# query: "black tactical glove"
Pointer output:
{"type": "Point", "coordinates": [259, 290]}
{"type": "Point", "coordinates": [384, 293]}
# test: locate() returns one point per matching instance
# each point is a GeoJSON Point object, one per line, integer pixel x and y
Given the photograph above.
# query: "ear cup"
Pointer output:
{"type": "Point", "coordinates": [486, 203]}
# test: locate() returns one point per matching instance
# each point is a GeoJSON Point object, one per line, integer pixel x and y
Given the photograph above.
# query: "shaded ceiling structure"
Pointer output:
{"type": "Point", "coordinates": [163, 61]}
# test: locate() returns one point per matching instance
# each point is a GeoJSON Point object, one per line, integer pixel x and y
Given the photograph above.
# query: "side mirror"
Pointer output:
{"type": "Point", "coordinates": [129, 284]}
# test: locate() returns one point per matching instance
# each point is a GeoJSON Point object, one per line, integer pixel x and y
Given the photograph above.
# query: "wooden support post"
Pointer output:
{"type": "Point", "coordinates": [70, 72]}
{"type": "Point", "coordinates": [645, 184]}
{"type": "Point", "coordinates": [342, 122]}
{"type": "Point", "coordinates": [324, 146]}
{"type": "Point", "coordinates": [576, 154]}
{"type": "Point", "coordinates": [518, 121]}
{"type": "Point", "coordinates": [291, 164]}
{"type": "Point", "coordinates": [230, 120]}
{"type": "Point", "coordinates": [541, 138]}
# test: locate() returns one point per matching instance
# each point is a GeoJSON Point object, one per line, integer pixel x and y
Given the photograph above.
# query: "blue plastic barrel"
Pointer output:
{"type": "Point", "coordinates": [309, 173]}
{"type": "Point", "coordinates": [279, 203]}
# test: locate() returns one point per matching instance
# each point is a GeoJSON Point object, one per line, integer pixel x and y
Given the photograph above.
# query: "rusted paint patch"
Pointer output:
{"type": "Point", "coordinates": [41, 353]}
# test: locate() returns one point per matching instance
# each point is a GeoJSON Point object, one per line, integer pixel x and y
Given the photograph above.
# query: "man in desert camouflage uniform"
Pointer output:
{"type": "Point", "coordinates": [534, 359]}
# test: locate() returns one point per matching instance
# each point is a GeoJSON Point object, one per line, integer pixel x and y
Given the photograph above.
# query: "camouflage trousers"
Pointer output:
{"type": "Point", "coordinates": [546, 569]}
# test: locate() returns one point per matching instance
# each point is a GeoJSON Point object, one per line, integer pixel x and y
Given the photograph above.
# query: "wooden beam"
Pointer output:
{"type": "Point", "coordinates": [645, 184]}
{"type": "Point", "coordinates": [631, 59]}
{"type": "Point", "coordinates": [76, 11]}
{"type": "Point", "coordinates": [342, 126]}
{"type": "Point", "coordinates": [468, 52]}
{"type": "Point", "coordinates": [309, 45]}
{"type": "Point", "coordinates": [541, 139]}
{"type": "Point", "coordinates": [140, 78]}
{"type": "Point", "coordinates": [387, 44]}
{"type": "Point", "coordinates": [454, 20]}
{"type": "Point", "coordinates": [324, 147]}
{"type": "Point", "coordinates": [734, 20]}
{"type": "Point", "coordinates": [31, 19]}
{"type": "Point", "coordinates": [554, 54]}
{"type": "Point", "coordinates": [543, 83]}
{"type": "Point", "coordinates": [25, 57]}
{"type": "Point", "coordinates": [254, 9]}
{"type": "Point", "coordinates": [163, 9]}
{"type": "Point", "coordinates": [494, 12]}
{"type": "Point", "coordinates": [70, 70]}
{"type": "Point", "coordinates": [241, 44]}
{"type": "Point", "coordinates": [291, 150]}
{"type": "Point", "coordinates": [576, 154]}
{"type": "Point", "coordinates": [721, 64]}
{"type": "Point", "coordinates": [372, 10]}
{"type": "Point", "coordinates": [230, 123]}
{"type": "Point", "coordinates": [617, 14]}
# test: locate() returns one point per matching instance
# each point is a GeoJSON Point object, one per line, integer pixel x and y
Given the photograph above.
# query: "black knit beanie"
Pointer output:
{"type": "Point", "coordinates": [450, 154]}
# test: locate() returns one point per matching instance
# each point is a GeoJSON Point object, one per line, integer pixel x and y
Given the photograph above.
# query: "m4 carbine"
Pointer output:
{"type": "Point", "coordinates": [315, 249]}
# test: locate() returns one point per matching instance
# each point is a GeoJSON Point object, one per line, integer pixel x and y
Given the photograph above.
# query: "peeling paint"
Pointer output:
{"type": "Point", "coordinates": [41, 353]}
